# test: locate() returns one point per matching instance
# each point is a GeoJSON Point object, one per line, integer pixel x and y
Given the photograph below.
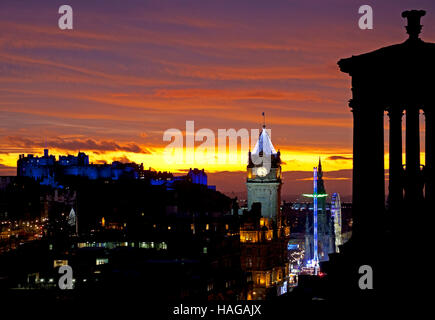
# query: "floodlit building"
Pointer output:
{"type": "Point", "coordinates": [263, 235]}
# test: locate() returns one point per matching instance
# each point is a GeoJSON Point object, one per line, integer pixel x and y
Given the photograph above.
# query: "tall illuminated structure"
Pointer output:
{"type": "Point", "coordinates": [315, 196]}
{"type": "Point", "coordinates": [316, 254]}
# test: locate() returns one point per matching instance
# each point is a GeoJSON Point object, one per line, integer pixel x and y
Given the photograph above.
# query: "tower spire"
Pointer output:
{"type": "Point", "coordinates": [264, 120]}
{"type": "Point", "coordinates": [320, 183]}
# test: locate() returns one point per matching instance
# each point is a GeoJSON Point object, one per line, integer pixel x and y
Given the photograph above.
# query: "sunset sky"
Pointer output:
{"type": "Point", "coordinates": [132, 69]}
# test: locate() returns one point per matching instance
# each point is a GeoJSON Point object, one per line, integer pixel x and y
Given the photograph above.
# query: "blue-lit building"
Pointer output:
{"type": "Point", "coordinates": [197, 176]}
{"type": "Point", "coordinates": [48, 170]}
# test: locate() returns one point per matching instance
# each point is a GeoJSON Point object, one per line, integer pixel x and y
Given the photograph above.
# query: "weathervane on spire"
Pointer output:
{"type": "Point", "coordinates": [264, 120]}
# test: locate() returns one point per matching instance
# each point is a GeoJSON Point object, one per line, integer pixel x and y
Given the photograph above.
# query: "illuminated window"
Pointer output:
{"type": "Point", "coordinates": [207, 226]}
{"type": "Point", "coordinates": [287, 231]}
{"type": "Point", "coordinates": [249, 262]}
{"type": "Point", "coordinates": [258, 278]}
{"type": "Point", "coordinates": [204, 250]}
{"type": "Point", "coordinates": [101, 261]}
{"type": "Point", "coordinates": [58, 263]}
{"type": "Point", "coordinates": [262, 279]}
{"type": "Point", "coordinates": [227, 227]}
{"type": "Point", "coordinates": [151, 245]}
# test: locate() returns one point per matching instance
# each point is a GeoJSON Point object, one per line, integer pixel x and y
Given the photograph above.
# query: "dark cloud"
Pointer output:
{"type": "Point", "coordinates": [75, 144]}
{"type": "Point", "coordinates": [339, 158]}
{"type": "Point", "coordinates": [122, 159]}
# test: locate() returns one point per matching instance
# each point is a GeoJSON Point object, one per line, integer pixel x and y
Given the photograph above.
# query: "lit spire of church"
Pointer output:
{"type": "Point", "coordinates": [320, 167]}
{"type": "Point", "coordinates": [264, 143]}
{"type": "Point", "coordinates": [265, 167]}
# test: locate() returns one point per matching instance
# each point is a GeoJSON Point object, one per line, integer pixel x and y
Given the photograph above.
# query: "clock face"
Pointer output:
{"type": "Point", "coordinates": [262, 171]}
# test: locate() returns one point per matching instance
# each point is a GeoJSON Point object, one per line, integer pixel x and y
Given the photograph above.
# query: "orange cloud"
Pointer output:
{"type": "Point", "coordinates": [74, 145]}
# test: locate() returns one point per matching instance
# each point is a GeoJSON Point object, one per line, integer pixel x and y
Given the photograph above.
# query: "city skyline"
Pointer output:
{"type": "Point", "coordinates": [215, 154]}
{"type": "Point", "coordinates": [111, 90]}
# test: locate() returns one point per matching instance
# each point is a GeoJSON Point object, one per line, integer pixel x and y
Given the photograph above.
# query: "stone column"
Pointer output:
{"type": "Point", "coordinates": [368, 169]}
{"type": "Point", "coordinates": [395, 172]}
{"type": "Point", "coordinates": [429, 153]}
{"type": "Point", "coordinates": [413, 192]}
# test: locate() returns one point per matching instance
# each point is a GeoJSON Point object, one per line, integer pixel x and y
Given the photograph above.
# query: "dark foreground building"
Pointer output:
{"type": "Point", "coordinates": [397, 80]}
{"type": "Point", "coordinates": [127, 239]}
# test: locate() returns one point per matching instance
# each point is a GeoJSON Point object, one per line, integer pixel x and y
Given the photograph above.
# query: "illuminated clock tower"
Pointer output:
{"type": "Point", "coordinates": [264, 177]}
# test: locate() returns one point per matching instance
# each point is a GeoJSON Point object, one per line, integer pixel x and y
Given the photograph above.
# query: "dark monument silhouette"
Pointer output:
{"type": "Point", "coordinates": [396, 79]}
{"type": "Point", "coordinates": [391, 234]}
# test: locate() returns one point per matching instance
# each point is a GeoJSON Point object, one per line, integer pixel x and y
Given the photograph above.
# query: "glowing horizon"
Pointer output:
{"type": "Point", "coordinates": [112, 89]}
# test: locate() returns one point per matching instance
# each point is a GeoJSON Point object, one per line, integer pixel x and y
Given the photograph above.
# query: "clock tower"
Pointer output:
{"type": "Point", "coordinates": [264, 177]}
